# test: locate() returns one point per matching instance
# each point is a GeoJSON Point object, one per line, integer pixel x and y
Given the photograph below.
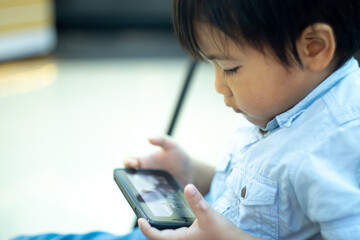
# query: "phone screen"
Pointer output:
{"type": "Point", "coordinates": [157, 194]}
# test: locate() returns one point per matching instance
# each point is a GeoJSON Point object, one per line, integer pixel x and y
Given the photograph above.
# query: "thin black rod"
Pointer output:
{"type": "Point", "coordinates": [182, 96]}
{"type": "Point", "coordinates": [179, 103]}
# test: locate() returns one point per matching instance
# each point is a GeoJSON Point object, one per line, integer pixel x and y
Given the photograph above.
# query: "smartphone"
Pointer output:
{"type": "Point", "coordinates": [156, 196]}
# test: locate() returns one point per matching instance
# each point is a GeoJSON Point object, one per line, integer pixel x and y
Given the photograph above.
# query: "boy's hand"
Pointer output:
{"type": "Point", "coordinates": [170, 158]}
{"type": "Point", "coordinates": [208, 225]}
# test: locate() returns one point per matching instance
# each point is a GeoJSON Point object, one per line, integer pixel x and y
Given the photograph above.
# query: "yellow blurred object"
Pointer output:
{"type": "Point", "coordinates": [26, 76]}
{"type": "Point", "coordinates": [26, 28]}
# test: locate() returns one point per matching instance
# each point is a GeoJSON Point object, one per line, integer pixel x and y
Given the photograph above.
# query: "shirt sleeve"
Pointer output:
{"type": "Point", "coordinates": [327, 183]}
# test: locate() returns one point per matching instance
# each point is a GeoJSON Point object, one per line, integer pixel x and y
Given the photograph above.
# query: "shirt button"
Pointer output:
{"type": "Point", "coordinates": [243, 192]}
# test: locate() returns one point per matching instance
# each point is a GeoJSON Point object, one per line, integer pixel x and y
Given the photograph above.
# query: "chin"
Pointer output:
{"type": "Point", "coordinates": [256, 122]}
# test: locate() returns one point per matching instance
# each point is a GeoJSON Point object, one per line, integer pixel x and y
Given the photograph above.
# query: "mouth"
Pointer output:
{"type": "Point", "coordinates": [237, 110]}
{"type": "Point", "coordinates": [230, 105]}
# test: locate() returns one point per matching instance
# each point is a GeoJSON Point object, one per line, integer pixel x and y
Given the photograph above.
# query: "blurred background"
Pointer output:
{"type": "Point", "coordinates": [83, 83]}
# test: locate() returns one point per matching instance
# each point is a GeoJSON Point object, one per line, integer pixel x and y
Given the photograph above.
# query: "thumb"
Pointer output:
{"type": "Point", "coordinates": [165, 142]}
{"type": "Point", "coordinates": [198, 204]}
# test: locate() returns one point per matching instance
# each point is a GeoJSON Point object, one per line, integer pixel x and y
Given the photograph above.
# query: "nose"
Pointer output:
{"type": "Point", "coordinates": [221, 85]}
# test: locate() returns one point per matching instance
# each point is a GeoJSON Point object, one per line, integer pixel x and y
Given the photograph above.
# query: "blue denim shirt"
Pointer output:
{"type": "Point", "coordinates": [301, 179]}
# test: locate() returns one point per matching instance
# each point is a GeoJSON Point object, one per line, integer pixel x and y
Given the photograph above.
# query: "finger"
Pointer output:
{"type": "Point", "coordinates": [198, 204]}
{"type": "Point", "coordinates": [131, 162]}
{"type": "Point", "coordinates": [167, 234]}
{"type": "Point", "coordinates": [165, 142]}
{"type": "Point", "coordinates": [148, 231]}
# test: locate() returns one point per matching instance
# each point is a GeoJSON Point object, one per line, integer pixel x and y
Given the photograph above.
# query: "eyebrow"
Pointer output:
{"type": "Point", "coordinates": [218, 57]}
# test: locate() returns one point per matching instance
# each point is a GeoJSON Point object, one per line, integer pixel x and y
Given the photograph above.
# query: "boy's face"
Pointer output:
{"type": "Point", "coordinates": [253, 84]}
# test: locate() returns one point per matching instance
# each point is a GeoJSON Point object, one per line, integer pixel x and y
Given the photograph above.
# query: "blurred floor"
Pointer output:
{"type": "Point", "coordinates": [67, 121]}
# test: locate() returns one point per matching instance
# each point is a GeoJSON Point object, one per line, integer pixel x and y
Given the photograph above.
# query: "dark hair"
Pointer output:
{"type": "Point", "coordinates": [273, 23]}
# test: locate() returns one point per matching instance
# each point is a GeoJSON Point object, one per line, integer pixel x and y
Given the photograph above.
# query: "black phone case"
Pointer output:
{"type": "Point", "coordinates": [138, 209]}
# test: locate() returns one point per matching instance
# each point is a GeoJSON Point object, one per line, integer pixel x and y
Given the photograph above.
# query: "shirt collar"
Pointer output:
{"type": "Point", "coordinates": [286, 119]}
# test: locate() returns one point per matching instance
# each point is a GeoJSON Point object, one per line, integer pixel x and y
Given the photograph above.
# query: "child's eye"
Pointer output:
{"type": "Point", "coordinates": [230, 71]}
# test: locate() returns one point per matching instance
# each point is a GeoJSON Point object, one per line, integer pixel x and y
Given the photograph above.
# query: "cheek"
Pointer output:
{"type": "Point", "coordinates": [246, 87]}
{"type": "Point", "coordinates": [255, 97]}
{"type": "Point", "coordinates": [248, 97]}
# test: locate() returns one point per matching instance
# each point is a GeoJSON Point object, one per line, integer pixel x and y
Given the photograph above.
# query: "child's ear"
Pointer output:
{"type": "Point", "coordinates": [316, 46]}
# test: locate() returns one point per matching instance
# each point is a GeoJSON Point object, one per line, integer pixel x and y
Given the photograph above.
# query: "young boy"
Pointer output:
{"type": "Point", "coordinates": [287, 67]}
